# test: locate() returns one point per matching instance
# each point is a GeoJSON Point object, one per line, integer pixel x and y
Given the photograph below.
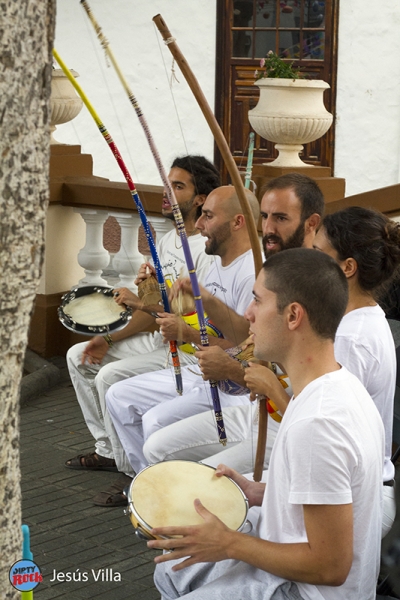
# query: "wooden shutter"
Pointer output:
{"type": "Point", "coordinates": [301, 30]}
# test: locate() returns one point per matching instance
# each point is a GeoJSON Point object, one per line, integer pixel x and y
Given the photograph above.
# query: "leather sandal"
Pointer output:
{"type": "Point", "coordinates": [91, 462]}
{"type": "Point", "coordinates": [115, 495]}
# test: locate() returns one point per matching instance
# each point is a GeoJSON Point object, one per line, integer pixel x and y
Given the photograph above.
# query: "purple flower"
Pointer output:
{"type": "Point", "coordinates": [262, 62]}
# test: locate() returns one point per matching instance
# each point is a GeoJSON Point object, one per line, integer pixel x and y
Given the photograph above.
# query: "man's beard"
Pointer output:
{"type": "Point", "coordinates": [219, 236]}
{"type": "Point", "coordinates": [185, 209]}
{"type": "Point", "coordinates": [296, 240]}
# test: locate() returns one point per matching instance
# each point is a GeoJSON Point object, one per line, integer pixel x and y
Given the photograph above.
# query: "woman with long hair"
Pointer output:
{"type": "Point", "coordinates": [366, 244]}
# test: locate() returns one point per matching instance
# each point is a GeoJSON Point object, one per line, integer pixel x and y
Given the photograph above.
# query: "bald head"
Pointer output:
{"type": "Point", "coordinates": [227, 198]}
{"type": "Point", "coordinates": [223, 223]}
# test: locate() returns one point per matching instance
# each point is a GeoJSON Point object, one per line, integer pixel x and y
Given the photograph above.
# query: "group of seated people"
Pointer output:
{"type": "Point", "coordinates": [327, 493]}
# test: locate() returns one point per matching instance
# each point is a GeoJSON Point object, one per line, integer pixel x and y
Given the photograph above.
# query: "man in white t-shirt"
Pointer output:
{"type": "Point", "coordinates": [364, 343]}
{"type": "Point", "coordinates": [320, 527]}
{"type": "Point", "coordinates": [138, 404]}
{"type": "Point", "coordinates": [96, 365]}
{"type": "Point", "coordinates": [291, 210]}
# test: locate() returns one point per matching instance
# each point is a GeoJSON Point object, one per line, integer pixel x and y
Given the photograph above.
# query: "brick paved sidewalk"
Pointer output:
{"type": "Point", "coordinates": [68, 533]}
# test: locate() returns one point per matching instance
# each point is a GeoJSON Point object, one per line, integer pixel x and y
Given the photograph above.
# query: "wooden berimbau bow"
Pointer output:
{"type": "Point", "coordinates": [240, 190]}
{"type": "Point", "coordinates": [177, 216]}
{"type": "Point", "coordinates": [139, 206]}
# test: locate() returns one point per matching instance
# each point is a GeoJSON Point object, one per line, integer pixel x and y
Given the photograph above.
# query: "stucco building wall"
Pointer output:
{"type": "Point", "coordinates": [176, 122]}
{"type": "Point", "coordinates": [367, 151]}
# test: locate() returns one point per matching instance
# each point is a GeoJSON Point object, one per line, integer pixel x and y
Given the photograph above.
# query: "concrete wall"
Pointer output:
{"type": "Point", "coordinates": [176, 122]}
{"type": "Point", "coordinates": [65, 236]}
{"type": "Point", "coordinates": [368, 100]}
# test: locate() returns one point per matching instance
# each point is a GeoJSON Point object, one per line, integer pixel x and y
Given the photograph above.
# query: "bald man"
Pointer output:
{"type": "Point", "coordinates": [140, 405]}
{"type": "Point", "coordinates": [222, 224]}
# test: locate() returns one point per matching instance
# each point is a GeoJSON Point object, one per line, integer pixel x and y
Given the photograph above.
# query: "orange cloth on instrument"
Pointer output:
{"type": "Point", "coordinates": [272, 409]}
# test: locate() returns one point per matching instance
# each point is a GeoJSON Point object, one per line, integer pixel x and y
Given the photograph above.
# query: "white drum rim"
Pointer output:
{"type": "Point", "coordinates": [148, 527]}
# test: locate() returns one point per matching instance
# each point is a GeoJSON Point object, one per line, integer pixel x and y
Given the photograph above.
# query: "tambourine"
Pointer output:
{"type": "Point", "coordinates": [92, 310]}
{"type": "Point", "coordinates": [162, 495]}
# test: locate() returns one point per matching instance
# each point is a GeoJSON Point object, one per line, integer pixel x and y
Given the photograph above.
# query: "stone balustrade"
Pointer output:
{"type": "Point", "coordinates": [94, 258]}
{"type": "Point", "coordinates": [80, 204]}
{"type": "Point", "coordinates": [95, 199]}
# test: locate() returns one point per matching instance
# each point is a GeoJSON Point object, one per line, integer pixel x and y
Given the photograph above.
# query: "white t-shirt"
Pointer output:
{"type": "Point", "coordinates": [233, 284]}
{"type": "Point", "coordinates": [172, 258]}
{"type": "Point", "coordinates": [364, 345]}
{"type": "Point", "coordinates": [329, 450]}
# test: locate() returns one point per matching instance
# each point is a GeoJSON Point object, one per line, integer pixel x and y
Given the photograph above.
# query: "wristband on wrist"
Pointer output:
{"type": "Point", "coordinates": [108, 340]}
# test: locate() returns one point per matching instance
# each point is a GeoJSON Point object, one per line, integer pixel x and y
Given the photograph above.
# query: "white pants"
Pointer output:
{"type": "Point", "coordinates": [144, 404]}
{"type": "Point", "coordinates": [389, 509]}
{"type": "Point", "coordinates": [225, 579]}
{"type": "Point", "coordinates": [138, 354]}
{"type": "Point", "coordinates": [194, 439]}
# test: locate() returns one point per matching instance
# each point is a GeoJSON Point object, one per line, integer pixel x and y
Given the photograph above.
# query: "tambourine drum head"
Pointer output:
{"type": "Point", "coordinates": [92, 310]}
{"type": "Point", "coordinates": [162, 495]}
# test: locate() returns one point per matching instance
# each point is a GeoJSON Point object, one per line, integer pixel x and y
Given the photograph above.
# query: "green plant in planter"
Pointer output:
{"type": "Point", "coordinates": [274, 66]}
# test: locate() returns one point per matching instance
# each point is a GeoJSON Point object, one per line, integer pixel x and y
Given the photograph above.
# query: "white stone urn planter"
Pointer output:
{"type": "Point", "coordinates": [64, 101]}
{"type": "Point", "coordinates": [290, 112]}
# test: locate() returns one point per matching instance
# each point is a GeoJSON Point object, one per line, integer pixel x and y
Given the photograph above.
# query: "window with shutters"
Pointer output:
{"type": "Point", "coordinates": [303, 31]}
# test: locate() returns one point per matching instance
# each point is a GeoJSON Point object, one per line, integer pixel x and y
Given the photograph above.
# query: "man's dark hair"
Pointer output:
{"type": "Point", "coordinates": [205, 176]}
{"type": "Point", "coordinates": [306, 190]}
{"type": "Point", "coordinates": [314, 280]}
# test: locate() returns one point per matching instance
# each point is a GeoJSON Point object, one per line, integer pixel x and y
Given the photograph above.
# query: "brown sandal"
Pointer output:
{"type": "Point", "coordinates": [115, 495]}
{"type": "Point", "coordinates": [91, 462]}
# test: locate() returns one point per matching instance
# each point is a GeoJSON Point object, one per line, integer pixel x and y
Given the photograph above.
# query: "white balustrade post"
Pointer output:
{"type": "Point", "coordinates": [128, 259]}
{"type": "Point", "coordinates": [161, 226]}
{"type": "Point", "coordinates": [93, 257]}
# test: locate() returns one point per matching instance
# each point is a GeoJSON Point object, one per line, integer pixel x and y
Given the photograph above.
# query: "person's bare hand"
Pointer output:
{"type": "Point", "coordinates": [253, 491]}
{"type": "Point", "coordinates": [263, 382]}
{"type": "Point", "coordinates": [171, 327]}
{"type": "Point", "coordinates": [208, 542]}
{"type": "Point", "coordinates": [125, 296]}
{"type": "Point", "coordinates": [179, 287]}
{"type": "Point", "coordinates": [146, 270]}
{"type": "Point", "coordinates": [247, 342]}
{"type": "Point", "coordinates": [215, 364]}
{"type": "Point", "coordinates": [184, 286]}
{"type": "Point", "coordinates": [259, 380]}
{"type": "Point", "coordinates": [95, 351]}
